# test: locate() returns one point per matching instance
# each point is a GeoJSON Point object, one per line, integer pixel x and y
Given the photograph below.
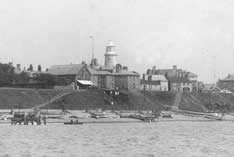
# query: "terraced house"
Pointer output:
{"type": "Point", "coordinates": [178, 79]}
{"type": "Point", "coordinates": [227, 83]}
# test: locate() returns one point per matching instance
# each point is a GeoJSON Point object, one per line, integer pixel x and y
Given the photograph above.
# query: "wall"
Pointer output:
{"type": "Point", "coordinates": [175, 86]}
{"type": "Point", "coordinates": [64, 79]}
{"type": "Point", "coordinates": [164, 85]}
{"type": "Point", "coordinates": [83, 74]}
{"type": "Point", "coordinates": [121, 81]}
{"type": "Point", "coordinates": [186, 85]}
{"type": "Point", "coordinates": [110, 82]}
{"type": "Point", "coordinates": [94, 79]}
{"type": "Point", "coordinates": [133, 82]}
{"type": "Point", "coordinates": [110, 60]}
{"type": "Point", "coordinates": [102, 81]}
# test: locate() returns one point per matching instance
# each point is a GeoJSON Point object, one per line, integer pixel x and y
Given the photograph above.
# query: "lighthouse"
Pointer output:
{"type": "Point", "coordinates": [110, 55]}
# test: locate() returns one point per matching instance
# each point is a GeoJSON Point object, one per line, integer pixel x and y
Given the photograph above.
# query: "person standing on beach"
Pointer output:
{"type": "Point", "coordinates": [44, 120]}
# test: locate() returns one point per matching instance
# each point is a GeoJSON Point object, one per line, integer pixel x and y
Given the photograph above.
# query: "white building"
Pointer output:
{"type": "Point", "coordinates": [110, 55]}
{"type": "Point", "coordinates": [154, 83]}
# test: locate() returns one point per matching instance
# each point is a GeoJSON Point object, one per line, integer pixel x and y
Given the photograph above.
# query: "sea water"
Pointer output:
{"type": "Point", "coordinates": [174, 139]}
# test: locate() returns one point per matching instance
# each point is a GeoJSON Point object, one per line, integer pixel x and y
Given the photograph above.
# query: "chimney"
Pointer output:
{"type": "Point", "coordinates": [96, 62]}
{"type": "Point", "coordinates": [143, 76]}
{"type": "Point", "coordinates": [154, 70]}
{"type": "Point", "coordinates": [118, 68]}
{"type": "Point", "coordinates": [125, 68]}
{"type": "Point", "coordinates": [18, 66]}
{"type": "Point", "coordinates": [10, 64]}
{"type": "Point", "coordinates": [149, 72]}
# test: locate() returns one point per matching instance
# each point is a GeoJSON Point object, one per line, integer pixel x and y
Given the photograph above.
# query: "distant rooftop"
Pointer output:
{"type": "Point", "coordinates": [156, 78]}
{"type": "Point", "coordinates": [228, 78]}
{"type": "Point", "coordinates": [103, 72]}
{"type": "Point", "coordinates": [69, 69]}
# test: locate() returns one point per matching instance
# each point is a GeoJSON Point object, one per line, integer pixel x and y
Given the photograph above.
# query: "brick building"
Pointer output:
{"type": "Point", "coordinates": [178, 79]}
{"type": "Point", "coordinates": [109, 76]}
{"type": "Point", "coordinates": [154, 83]}
{"type": "Point", "coordinates": [227, 83]}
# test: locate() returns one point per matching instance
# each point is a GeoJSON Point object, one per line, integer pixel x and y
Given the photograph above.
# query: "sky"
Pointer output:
{"type": "Point", "coordinates": [196, 35]}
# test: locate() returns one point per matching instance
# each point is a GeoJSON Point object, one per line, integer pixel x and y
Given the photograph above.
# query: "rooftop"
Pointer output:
{"type": "Point", "coordinates": [178, 79]}
{"type": "Point", "coordinates": [69, 69]}
{"type": "Point", "coordinates": [228, 78]}
{"type": "Point", "coordinates": [159, 78]}
{"type": "Point", "coordinates": [103, 72]}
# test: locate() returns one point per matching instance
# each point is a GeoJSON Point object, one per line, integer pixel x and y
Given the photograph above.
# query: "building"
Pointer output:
{"type": "Point", "coordinates": [110, 55]}
{"type": "Point", "coordinates": [127, 80]}
{"type": "Point", "coordinates": [178, 79]}
{"type": "Point", "coordinates": [226, 83]}
{"type": "Point", "coordinates": [180, 84]}
{"type": "Point", "coordinates": [154, 83]}
{"type": "Point", "coordinates": [65, 74]}
{"type": "Point", "coordinates": [120, 78]}
{"type": "Point", "coordinates": [17, 69]}
{"type": "Point", "coordinates": [109, 76]}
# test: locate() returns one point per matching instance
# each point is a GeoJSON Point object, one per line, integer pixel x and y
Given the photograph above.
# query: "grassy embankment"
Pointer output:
{"type": "Point", "coordinates": [24, 98]}
{"type": "Point", "coordinates": [199, 101]}
{"type": "Point", "coordinates": [94, 99]}
{"type": "Point", "coordinates": [86, 99]}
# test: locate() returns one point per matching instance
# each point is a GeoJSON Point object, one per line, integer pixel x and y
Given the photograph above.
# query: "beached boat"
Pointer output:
{"type": "Point", "coordinates": [73, 123]}
{"type": "Point", "coordinates": [98, 115]}
{"type": "Point", "coordinates": [215, 116]}
{"type": "Point", "coordinates": [209, 115]}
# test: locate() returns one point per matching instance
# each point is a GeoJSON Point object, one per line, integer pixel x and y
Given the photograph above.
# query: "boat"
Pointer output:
{"type": "Point", "coordinates": [209, 115]}
{"type": "Point", "coordinates": [98, 115]}
{"type": "Point", "coordinates": [143, 117]}
{"type": "Point", "coordinates": [70, 123]}
{"type": "Point", "coordinates": [215, 116]}
{"type": "Point", "coordinates": [73, 123]}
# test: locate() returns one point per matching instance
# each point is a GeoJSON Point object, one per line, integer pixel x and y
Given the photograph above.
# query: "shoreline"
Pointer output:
{"type": "Point", "coordinates": [57, 117]}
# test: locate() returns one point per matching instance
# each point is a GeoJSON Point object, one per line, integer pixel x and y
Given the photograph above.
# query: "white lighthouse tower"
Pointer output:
{"type": "Point", "coordinates": [110, 55]}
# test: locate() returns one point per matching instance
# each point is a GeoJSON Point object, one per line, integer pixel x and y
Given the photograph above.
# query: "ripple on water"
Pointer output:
{"type": "Point", "coordinates": [149, 140]}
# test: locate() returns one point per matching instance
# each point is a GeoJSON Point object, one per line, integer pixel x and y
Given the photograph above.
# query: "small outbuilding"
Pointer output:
{"type": "Point", "coordinates": [85, 84]}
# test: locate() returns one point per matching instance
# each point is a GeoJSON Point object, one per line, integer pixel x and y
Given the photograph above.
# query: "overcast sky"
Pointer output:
{"type": "Point", "coordinates": [196, 35]}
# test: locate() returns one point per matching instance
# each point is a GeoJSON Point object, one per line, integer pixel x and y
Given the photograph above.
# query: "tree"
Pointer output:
{"type": "Point", "coordinates": [45, 78]}
{"type": "Point", "coordinates": [7, 74]}
{"type": "Point", "coordinates": [39, 68]}
{"type": "Point", "coordinates": [30, 68]}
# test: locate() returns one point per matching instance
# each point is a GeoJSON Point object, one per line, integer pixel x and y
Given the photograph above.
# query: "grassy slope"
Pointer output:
{"type": "Point", "coordinates": [197, 101]}
{"type": "Point", "coordinates": [93, 99]}
{"type": "Point", "coordinates": [24, 98]}
{"type": "Point", "coordinates": [192, 102]}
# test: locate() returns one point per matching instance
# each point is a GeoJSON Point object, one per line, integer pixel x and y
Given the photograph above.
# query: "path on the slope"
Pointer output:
{"type": "Point", "coordinates": [177, 100]}
{"type": "Point", "coordinates": [57, 97]}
